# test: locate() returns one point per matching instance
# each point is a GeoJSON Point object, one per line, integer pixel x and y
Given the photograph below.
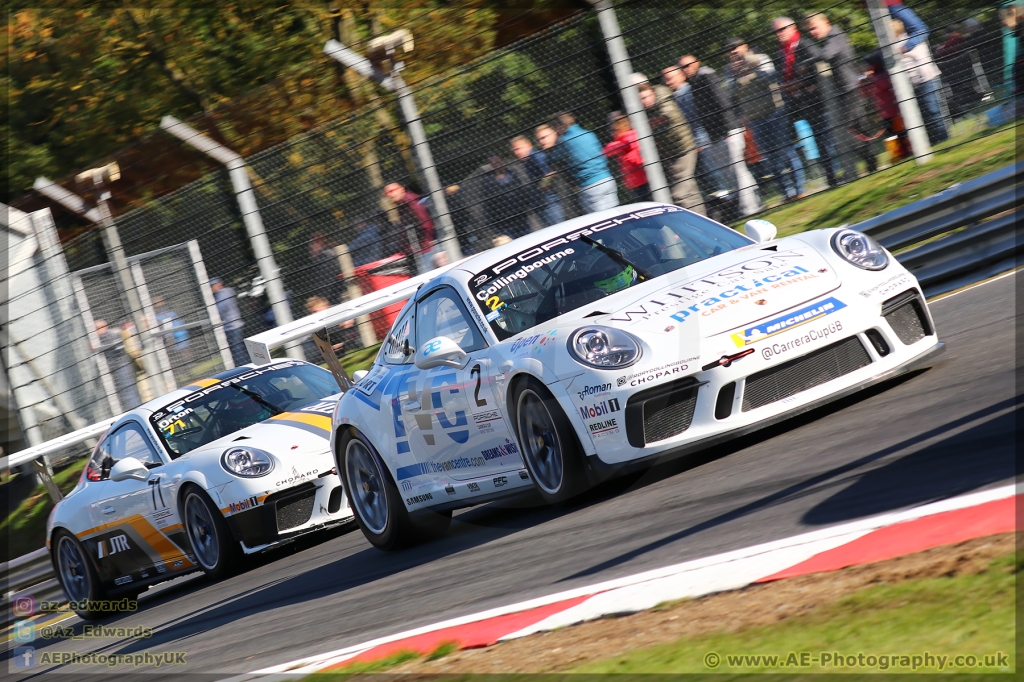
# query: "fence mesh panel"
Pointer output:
{"type": "Point", "coordinates": [752, 118]}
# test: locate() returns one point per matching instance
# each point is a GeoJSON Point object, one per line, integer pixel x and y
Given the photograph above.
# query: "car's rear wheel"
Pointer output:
{"type": "Point", "coordinates": [77, 575]}
{"type": "Point", "coordinates": [378, 507]}
{"type": "Point", "coordinates": [550, 447]}
{"type": "Point", "coordinates": [215, 550]}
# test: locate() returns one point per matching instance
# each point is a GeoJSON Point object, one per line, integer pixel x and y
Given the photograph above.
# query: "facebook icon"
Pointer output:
{"type": "Point", "coordinates": [24, 656]}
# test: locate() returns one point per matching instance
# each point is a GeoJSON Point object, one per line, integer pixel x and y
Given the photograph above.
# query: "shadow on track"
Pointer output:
{"type": "Point", "coordinates": [961, 463]}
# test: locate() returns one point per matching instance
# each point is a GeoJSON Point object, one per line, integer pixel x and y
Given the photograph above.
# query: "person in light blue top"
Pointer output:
{"type": "Point", "coordinates": [580, 152]}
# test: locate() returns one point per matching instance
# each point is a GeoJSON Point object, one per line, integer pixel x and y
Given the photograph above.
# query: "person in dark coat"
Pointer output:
{"type": "Point", "coordinates": [798, 77]}
{"type": "Point", "coordinates": [834, 50]}
{"type": "Point", "coordinates": [368, 245]}
{"type": "Point", "coordinates": [701, 95]}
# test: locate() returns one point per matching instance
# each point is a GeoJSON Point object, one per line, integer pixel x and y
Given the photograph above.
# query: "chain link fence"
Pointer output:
{"type": "Point", "coordinates": [750, 104]}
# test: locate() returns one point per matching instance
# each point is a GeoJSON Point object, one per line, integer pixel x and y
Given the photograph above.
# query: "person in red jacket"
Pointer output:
{"type": "Point", "coordinates": [415, 233]}
{"type": "Point", "coordinates": [876, 86]}
{"type": "Point", "coordinates": [625, 147]}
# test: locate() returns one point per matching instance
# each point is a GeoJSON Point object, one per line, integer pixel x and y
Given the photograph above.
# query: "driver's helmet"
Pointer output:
{"type": "Point", "coordinates": [615, 279]}
{"type": "Point", "coordinates": [242, 408]}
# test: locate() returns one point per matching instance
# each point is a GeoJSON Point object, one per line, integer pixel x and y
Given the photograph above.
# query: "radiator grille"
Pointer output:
{"type": "Point", "coordinates": [908, 320]}
{"type": "Point", "coordinates": [295, 511]}
{"type": "Point", "coordinates": [804, 373]}
{"type": "Point", "coordinates": [660, 412]}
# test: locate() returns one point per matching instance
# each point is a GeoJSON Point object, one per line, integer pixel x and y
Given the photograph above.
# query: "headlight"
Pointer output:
{"type": "Point", "coordinates": [859, 249]}
{"type": "Point", "coordinates": [247, 462]}
{"type": "Point", "coordinates": [604, 347]}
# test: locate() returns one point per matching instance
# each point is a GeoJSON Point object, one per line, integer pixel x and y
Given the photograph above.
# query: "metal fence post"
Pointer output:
{"type": "Point", "coordinates": [246, 197]}
{"type": "Point", "coordinates": [101, 215]}
{"type": "Point", "coordinates": [907, 100]}
{"type": "Point", "coordinates": [631, 99]}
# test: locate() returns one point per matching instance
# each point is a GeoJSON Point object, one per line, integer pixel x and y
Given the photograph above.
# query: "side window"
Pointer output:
{"type": "Point", "coordinates": [442, 314]}
{"type": "Point", "coordinates": [399, 347]}
{"type": "Point", "coordinates": [127, 441]}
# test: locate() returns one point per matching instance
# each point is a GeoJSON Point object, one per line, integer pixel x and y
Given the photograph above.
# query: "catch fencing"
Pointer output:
{"type": "Point", "coordinates": [320, 193]}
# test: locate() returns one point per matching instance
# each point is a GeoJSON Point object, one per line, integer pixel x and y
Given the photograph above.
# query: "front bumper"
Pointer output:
{"type": "Point", "coordinates": [288, 513]}
{"type": "Point", "coordinates": [852, 351]}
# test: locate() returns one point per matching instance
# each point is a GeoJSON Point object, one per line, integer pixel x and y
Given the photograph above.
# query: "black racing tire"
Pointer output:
{"type": "Point", "coordinates": [549, 444]}
{"type": "Point", "coordinates": [377, 505]}
{"type": "Point", "coordinates": [214, 548]}
{"type": "Point", "coordinates": [76, 574]}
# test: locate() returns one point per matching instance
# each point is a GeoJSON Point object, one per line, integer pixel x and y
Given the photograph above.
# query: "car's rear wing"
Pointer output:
{"type": "Point", "coordinates": [260, 345]}
{"type": "Point", "coordinates": [55, 445]}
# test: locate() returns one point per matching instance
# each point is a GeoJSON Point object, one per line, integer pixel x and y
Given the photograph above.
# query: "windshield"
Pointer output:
{"type": "Point", "coordinates": [567, 273]}
{"type": "Point", "coordinates": [240, 401]}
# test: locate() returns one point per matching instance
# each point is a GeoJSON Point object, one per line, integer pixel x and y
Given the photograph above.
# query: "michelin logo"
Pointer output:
{"type": "Point", "coordinates": [780, 324]}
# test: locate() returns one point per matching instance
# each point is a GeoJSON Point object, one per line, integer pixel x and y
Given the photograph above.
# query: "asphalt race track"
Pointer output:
{"type": "Point", "coordinates": [943, 432]}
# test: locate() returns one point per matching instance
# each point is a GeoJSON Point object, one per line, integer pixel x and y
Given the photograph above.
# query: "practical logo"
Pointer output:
{"type": "Point", "coordinates": [763, 330]}
{"type": "Point", "coordinates": [600, 409]}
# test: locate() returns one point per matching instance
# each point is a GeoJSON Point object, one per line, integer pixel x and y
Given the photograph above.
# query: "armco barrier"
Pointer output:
{"type": "Point", "coordinates": [31, 574]}
{"type": "Point", "coordinates": [985, 206]}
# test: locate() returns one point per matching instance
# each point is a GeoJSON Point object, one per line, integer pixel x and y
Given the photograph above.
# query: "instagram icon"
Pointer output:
{"type": "Point", "coordinates": [24, 606]}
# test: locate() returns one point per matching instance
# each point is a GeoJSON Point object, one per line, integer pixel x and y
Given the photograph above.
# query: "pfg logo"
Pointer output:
{"type": "Point", "coordinates": [593, 390]}
{"type": "Point", "coordinates": [600, 409]}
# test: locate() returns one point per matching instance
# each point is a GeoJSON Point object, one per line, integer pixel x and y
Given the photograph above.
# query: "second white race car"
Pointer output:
{"type": "Point", "coordinates": [607, 342]}
{"type": "Point", "coordinates": [194, 480]}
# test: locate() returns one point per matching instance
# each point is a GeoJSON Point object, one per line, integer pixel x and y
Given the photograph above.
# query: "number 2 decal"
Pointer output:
{"type": "Point", "coordinates": [476, 391]}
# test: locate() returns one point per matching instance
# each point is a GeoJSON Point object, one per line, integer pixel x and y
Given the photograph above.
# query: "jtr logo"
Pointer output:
{"type": "Point", "coordinates": [118, 543]}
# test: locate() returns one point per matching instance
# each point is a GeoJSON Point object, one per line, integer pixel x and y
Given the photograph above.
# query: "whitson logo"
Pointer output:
{"type": "Point", "coordinates": [778, 325]}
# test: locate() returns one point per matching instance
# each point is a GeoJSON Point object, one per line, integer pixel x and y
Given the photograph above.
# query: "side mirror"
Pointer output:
{"type": "Point", "coordinates": [439, 351]}
{"type": "Point", "coordinates": [760, 231]}
{"type": "Point", "coordinates": [129, 467]}
{"type": "Point", "coordinates": [358, 375]}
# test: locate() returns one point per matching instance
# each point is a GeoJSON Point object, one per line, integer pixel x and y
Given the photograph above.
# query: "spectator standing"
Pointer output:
{"type": "Point", "coordinates": [626, 148]}
{"type": "Point", "coordinates": [1011, 15]}
{"type": "Point", "coordinates": [231, 318]}
{"type": "Point", "coordinates": [728, 145]}
{"type": "Point", "coordinates": [326, 267]}
{"type": "Point", "coordinates": [538, 171]}
{"type": "Point", "coordinates": [579, 151]}
{"type": "Point", "coordinates": [119, 364]}
{"type": "Point", "coordinates": [368, 245]}
{"type": "Point", "coordinates": [924, 76]}
{"type": "Point", "coordinates": [711, 173]}
{"type": "Point", "coordinates": [507, 199]}
{"type": "Point", "coordinates": [171, 326]}
{"type": "Point", "coordinates": [953, 58]}
{"type": "Point", "coordinates": [799, 83]}
{"type": "Point", "coordinates": [877, 88]}
{"type": "Point", "coordinates": [758, 105]}
{"type": "Point", "coordinates": [415, 236]}
{"type": "Point", "coordinates": [344, 337]}
{"type": "Point", "coordinates": [835, 52]}
{"type": "Point", "coordinates": [675, 143]}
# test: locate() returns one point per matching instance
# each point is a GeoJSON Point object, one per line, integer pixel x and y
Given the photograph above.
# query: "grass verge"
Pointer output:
{"type": "Point", "coordinates": [967, 615]}
{"type": "Point", "coordinates": [957, 600]}
{"type": "Point", "coordinates": [958, 160]}
{"type": "Point", "coordinates": [24, 529]}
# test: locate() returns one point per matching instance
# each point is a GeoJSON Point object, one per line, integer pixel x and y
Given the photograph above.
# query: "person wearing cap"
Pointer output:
{"type": "Point", "coordinates": [231, 318]}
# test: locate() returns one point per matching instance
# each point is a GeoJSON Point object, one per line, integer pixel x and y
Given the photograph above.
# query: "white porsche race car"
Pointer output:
{"type": "Point", "coordinates": [606, 342]}
{"type": "Point", "coordinates": [228, 466]}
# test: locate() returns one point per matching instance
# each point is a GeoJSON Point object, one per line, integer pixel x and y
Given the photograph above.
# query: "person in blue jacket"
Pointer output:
{"type": "Point", "coordinates": [580, 152]}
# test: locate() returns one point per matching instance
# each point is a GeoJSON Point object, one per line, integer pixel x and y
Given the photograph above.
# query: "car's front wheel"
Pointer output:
{"type": "Point", "coordinates": [379, 509]}
{"type": "Point", "coordinates": [77, 575]}
{"type": "Point", "coordinates": [215, 550]}
{"type": "Point", "coordinates": [550, 447]}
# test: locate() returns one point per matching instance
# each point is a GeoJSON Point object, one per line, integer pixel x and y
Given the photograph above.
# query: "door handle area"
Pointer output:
{"type": "Point", "coordinates": [411, 406]}
{"type": "Point", "coordinates": [109, 510]}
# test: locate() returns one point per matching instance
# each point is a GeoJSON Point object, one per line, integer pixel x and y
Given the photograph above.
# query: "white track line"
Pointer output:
{"type": "Point", "coordinates": [729, 570]}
